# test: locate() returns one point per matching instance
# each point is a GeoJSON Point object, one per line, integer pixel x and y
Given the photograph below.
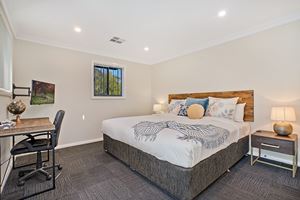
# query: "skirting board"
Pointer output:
{"type": "Point", "coordinates": [58, 147]}
{"type": "Point", "coordinates": [61, 146]}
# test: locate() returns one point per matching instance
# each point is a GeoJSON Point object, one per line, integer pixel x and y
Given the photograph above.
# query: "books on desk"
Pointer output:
{"type": "Point", "coordinates": [7, 124]}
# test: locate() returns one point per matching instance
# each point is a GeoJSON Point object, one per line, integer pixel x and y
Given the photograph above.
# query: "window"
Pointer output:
{"type": "Point", "coordinates": [5, 58]}
{"type": "Point", "coordinates": [108, 81]}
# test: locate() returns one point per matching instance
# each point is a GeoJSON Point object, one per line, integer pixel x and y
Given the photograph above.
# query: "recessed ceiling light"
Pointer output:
{"type": "Point", "coordinates": [77, 29]}
{"type": "Point", "coordinates": [146, 48]}
{"type": "Point", "coordinates": [222, 13]}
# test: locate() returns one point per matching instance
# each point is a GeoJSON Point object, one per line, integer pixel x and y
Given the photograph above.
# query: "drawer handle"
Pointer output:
{"type": "Point", "coordinates": [270, 145]}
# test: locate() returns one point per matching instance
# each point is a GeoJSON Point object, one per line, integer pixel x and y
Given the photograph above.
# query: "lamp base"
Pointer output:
{"type": "Point", "coordinates": [283, 128]}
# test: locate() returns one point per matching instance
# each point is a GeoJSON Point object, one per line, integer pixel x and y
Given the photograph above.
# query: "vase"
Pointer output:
{"type": "Point", "coordinates": [16, 108]}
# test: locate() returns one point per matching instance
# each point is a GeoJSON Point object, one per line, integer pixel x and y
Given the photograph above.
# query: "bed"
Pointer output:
{"type": "Point", "coordinates": [181, 168]}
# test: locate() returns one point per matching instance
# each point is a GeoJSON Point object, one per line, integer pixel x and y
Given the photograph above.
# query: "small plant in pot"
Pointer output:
{"type": "Point", "coordinates": [16, 108]}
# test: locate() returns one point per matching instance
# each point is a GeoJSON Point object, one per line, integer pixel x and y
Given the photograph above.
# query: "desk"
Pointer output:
{"type": "Point", "coordinates": [31, 126]}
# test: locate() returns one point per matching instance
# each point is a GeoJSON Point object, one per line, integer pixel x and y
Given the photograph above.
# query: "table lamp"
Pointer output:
{"type": "Point", "coordinates": [157, 108]}
{"type": "Point", "coordinates": [282, 116]}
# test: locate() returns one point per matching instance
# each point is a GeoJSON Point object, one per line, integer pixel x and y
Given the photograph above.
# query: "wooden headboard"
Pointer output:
{"type": "Point", "coordinates": [245, 96]}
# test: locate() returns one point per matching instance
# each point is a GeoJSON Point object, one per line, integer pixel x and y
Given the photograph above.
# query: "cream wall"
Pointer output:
{"type": "Point", "coordinates": [267, 62]}
{"type": "Point", "coordinates": [71, 73]}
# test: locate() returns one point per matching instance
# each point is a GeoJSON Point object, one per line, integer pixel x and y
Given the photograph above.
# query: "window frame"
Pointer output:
{"type": "Point", "coordinates": [105, 64]}
{"type": "Point", "coordinates": [7, 91]}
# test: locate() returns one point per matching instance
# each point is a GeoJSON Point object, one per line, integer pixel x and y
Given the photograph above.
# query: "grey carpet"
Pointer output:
{"type": "Point", "coordinates": [89, 174]}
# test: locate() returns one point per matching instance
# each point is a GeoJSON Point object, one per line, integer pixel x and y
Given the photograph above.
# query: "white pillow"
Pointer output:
{"type": "Point", "coordinates": [174, 106]}
{"type": "Point", "coordinates": [212, 100]}
{"type": "Point", "coordinates": [221, 109]}
{"type": "Point", "coordinates": [239, 112]}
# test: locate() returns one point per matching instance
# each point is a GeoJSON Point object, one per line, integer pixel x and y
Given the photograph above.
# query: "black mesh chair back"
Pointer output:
{"type": "Point", "coordinates": [57, 123]}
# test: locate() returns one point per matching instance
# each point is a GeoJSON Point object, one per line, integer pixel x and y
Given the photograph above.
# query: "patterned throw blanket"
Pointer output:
{"type": "Point", "coordinates": [208, 135]}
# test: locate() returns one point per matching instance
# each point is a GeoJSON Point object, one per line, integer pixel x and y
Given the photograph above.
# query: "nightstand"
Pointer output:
{"type": "Point", "coordinates": [272, 142]}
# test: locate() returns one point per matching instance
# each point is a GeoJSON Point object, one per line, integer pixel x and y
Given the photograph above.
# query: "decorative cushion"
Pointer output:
{"type": "Point", "coordinates": [183, 110]}
{"type": "Point", "coordinates": [239, 112]}
{"type": "Point", "coordinates": [195, 111]}
{"type": "Point", "coordinates": [174, 106]}
{"type": "Point", "coordinates": [212, 100]}
{"type": "Point", "coordinates": [221, 107]}
{"type": "Point", "coordinates": [203, 102]}
{"type": "Point", "coordinates": [222, 110]}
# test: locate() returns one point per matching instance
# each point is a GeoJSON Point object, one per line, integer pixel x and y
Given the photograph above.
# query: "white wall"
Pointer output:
{"type": "Point", "coordinates": [5, 143]}
{"type": "Point", "coordinates": [71, 73]}
{"type": "Point", "coordinates": [267, 62]}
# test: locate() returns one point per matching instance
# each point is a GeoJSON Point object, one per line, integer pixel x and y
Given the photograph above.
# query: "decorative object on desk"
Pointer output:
{"type": "Point", "coordinates": [157, 108]}
{"type": "Point", "coordinates": [16, 108]}
{"type": "Point", "coordinates": [42, 93]}
{"type": "Point", "coordinates": [283, 115]}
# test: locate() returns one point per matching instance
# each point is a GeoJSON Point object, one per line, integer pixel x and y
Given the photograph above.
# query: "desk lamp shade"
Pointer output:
{"type": "Point", "coordinates": [283, 115]}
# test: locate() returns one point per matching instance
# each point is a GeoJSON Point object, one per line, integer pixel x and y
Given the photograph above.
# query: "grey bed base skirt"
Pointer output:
{"type": "Point", "coordinates": [181, 183]}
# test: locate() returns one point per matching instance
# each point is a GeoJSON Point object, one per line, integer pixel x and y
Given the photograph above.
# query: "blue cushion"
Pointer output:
{"type": "Point", "coordinates": [203, 102]}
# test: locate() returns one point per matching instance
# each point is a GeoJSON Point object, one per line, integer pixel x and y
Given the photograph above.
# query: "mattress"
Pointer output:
{"type": "Point", "coordinates": [167, 146]}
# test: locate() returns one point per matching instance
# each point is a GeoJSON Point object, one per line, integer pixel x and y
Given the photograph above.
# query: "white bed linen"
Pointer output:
{"type": "Point", "coordinates": [167, 146]}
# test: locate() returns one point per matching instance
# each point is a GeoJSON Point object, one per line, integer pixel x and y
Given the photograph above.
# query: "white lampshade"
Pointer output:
{"type": "Point", "coordinates": [157, 107]}
{"type": "Point", "coordinates": [283, 114]}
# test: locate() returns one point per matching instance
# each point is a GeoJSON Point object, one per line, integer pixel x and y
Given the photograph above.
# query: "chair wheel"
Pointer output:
{"type": "Point", "coordinates": [21, 183]}
{"type": "Point", "coordinates": [59, 167]}
{"type": "Point", "coordinates": [21, 174]}
{"type": "Point", "coordinates": [49, 177]}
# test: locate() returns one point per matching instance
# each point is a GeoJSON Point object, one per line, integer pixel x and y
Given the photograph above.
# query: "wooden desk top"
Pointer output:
{"type": "Point", "coordinates": [26, 126]}
{"type": "Point", "coordinates": [270, 134]}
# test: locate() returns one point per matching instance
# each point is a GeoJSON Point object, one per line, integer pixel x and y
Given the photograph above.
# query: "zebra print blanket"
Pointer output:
{"type": "Point", "coordinates": [209, 136]}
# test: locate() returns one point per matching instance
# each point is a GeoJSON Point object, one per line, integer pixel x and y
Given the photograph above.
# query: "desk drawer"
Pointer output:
{"type": "Point", "coordinates": [281, 146]}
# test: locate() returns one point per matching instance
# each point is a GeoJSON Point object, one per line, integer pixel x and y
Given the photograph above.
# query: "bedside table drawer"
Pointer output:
{"type": "Point", "coordinates": [280, 146]}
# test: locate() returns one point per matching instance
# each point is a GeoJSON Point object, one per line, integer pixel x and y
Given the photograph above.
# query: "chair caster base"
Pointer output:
{"type": "Point", "coordinates": [59, 167]}
{"type": "Point", "coordinates": [24, 172]}
{"type": "Point", "coordinates": [21, 174]}
{"type": "Point", "coordinates": [49, 177]}
{"type": "Point", "coordinates": [21, 183]}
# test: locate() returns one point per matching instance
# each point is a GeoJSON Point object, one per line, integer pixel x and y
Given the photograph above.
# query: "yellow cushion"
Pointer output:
{"type": "Point", "coordinates": [195, 111]}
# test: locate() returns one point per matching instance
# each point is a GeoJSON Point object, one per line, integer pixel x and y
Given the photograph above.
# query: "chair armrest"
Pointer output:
{"type": "Point", "coordinates": [29, 136]}
{"type": "Point", "coordinates": [27, 145]}
{"type": "Point", "coordinates": [36, 135]}
{"type": "Point", "coordinates": [32, 137]}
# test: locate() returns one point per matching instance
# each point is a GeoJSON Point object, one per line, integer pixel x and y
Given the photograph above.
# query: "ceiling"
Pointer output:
{"type": "Point", "coordinates": [170, 28]}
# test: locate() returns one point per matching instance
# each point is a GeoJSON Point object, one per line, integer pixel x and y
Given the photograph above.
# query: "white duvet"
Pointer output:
{"type": "Point", "coordinates": [167, 146]}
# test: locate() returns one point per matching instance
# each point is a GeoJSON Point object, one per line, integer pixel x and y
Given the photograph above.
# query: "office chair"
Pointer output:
{"type": "Point", "coordinates": [35, 144]}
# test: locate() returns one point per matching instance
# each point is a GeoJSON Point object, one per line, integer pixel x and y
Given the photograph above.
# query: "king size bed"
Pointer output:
{"type": "Point", "coordinates": [167, 151]}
